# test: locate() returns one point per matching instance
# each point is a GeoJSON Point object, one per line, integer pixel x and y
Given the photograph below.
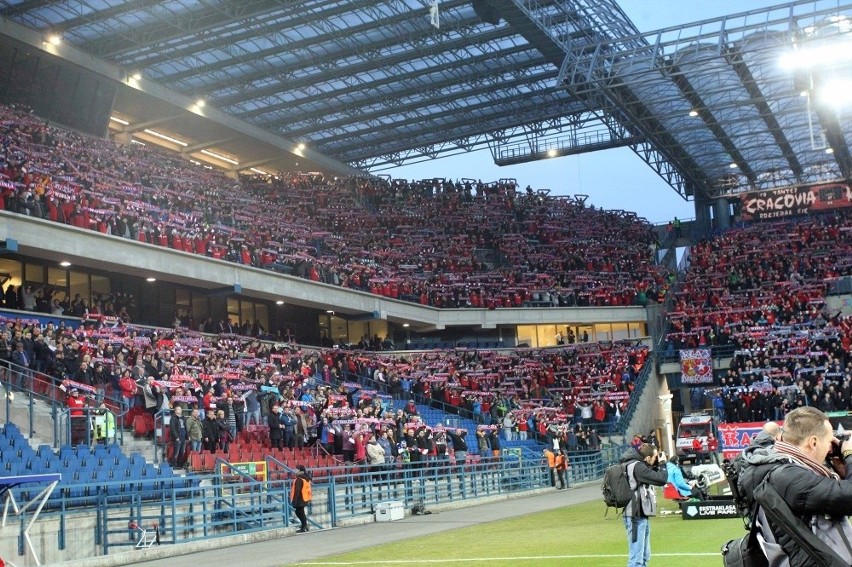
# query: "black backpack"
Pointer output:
{"type": "Point", "coordinates": [616, 485]}
{"type": "Point", "coordinates": [747, 552]}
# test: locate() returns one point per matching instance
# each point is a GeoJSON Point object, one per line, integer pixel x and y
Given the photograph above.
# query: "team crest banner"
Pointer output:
{"type": "Point", "coordinates": [696, 367]}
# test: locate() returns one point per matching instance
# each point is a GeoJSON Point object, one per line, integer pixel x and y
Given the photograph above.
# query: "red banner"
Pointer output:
{"type": "Point", "coordinates": [696, 366]}
{"type": "Point", "coordinates": [795, 201]}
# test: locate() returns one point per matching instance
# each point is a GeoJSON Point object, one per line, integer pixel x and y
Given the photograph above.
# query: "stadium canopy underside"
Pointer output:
{"type": "Point", "coordinates": [379, 83]}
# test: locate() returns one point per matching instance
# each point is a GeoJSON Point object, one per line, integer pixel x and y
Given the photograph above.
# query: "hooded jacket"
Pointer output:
{"type": "Point", "coordinates": [642, 480]}
{"type": "Point", "coordinates": [822, 503]}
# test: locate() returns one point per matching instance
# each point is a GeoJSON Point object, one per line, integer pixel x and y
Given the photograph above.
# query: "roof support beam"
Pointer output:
{"type": "Point", "coordinates": [735, 58]}
{"type": "Point", "coordinates": [287, 83]}
{"type": "Point", "coordinates": [483, 85]}
{"type": "Point", "coordinates": [302, 45]}
{"type": "Point", "coordinates": [411, 86]}
{"type": "Point", "coordinates": [139, 126]}
{"type": "Point", "coordinates": [206, 144]}
{"type": "Point", "coordinates": [697, 104]}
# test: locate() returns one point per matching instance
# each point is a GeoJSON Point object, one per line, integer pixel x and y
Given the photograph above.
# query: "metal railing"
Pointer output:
{"type": "Point", "coordinates": [128, 509]}
{"type": "Point", "coordinates": [19, 381]}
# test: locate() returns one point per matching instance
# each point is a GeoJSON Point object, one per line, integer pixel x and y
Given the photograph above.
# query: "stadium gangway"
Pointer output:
{"type": "Point", "coordinates": [89, 428]}
{"type": "Point", "coordinates": [39, 387]}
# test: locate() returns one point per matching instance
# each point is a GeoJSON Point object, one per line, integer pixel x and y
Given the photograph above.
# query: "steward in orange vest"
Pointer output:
{"type": "Point", "coordinates": [300, 496]}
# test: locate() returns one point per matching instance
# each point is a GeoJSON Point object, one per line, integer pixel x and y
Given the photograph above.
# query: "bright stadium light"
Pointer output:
{"type": "Point", "coordinates": [220, 157]}
{"type": "Point", "coordinates": [836, 94]}
{"type": "Point", "coordinates": [816, 56]}
{"type": "Point", "coordinates": [693, 113]}
{"type": "Point", "coordinates": [166, 138]}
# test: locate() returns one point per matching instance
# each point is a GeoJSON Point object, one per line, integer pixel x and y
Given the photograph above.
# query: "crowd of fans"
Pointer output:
{"type": "Point", "coordinates": [761, 290]}
{"type": "Point", "coordinates": [438, 242]}
{"type": "Point", "coordinates": [43, 299]}
{"type": "Point", "coordinates": [335, 398]}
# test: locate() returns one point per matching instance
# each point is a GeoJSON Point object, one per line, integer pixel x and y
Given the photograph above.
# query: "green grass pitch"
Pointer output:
{"type": "Point", "coordinates": [576, 535]}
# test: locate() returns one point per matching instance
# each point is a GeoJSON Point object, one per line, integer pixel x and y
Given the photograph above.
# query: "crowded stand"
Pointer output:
{"type": "Point", "coordinates": [768, 304]}
{"type": "Point", "coordinates": [240, 393]}
{"type": "Point", "coordinates": [438, 243]}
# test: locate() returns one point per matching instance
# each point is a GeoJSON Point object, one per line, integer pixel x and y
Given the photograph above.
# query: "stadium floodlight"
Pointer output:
{"type": "Point", "coordinates": [816, 56]}
{"type": "Point", "coordinates": [693, 113]}
{"type": "Point", "coordinates": [150, 280]}
{"type": "Point", "coordinates": [552, 153]}
{"type": "Point", "coordinates": [733, 165]}
{"type": "Point", "coordinates": [166, 138]}
{"type": "Point", "coordinates": [53, 39]}
{"type": "Point", "coordinates": [136, 76]}
{"type": "Point", "coordinates": [829, 150]}
{"type": "Point", "coordinates": [435, 15]}
{"type": "Point", "coordinates": [301, 146]}
{"type": "Point", "coordinates": [220, 157]}
{"type": "Point", "coordinates": [119, 120]}
{"type": "Point", "coordinates": [65, 263]}
{"type": "Point", "coordinates": [279, 302]}
{"type": "Point", "coordinates": [836, 94]}
{"type": "Point", "coordinates": [200, 103]}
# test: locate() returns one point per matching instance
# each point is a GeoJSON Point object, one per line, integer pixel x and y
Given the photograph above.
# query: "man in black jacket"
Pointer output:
{"type": "Point", "coordinates": [644, 471]}
{"type": "Point", "coordinates": [817, 494]}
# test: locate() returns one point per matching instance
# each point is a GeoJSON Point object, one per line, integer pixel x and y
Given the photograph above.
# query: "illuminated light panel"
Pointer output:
{"type": "Point", "coordinates": [220, 157]}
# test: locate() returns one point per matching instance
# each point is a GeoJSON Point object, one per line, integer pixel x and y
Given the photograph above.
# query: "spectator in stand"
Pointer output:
{"type": "Point", "coordinates": [375, 454]}
{"type": "Point", "coordinates": [194, 430]}
{"type": "Point", "coordinates": [276, 428]}
{"type": "Point", "coordinates": [211, 431]}
{"type": "Point", "coordinates": [21, 371]}
{"type": "Point", "coordinates": [178, 436]}
{"type": "Point", "coordinates": [79, 417]}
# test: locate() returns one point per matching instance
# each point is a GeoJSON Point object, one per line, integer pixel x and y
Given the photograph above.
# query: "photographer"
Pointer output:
{"type": "Point", "coordinates": [646, 472]}
{"type": "Point", "coordinates": [817, 494]}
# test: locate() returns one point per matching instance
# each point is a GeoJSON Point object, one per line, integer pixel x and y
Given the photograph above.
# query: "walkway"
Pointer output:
{"type": "Point", "coordinates": [300, 548]}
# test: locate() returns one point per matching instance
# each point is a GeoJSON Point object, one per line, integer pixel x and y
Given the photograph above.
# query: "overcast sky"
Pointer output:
{"type": "Point", "coordinates": [613, 179]}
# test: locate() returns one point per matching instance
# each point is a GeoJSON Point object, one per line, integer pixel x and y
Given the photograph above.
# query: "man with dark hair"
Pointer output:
{"type": "Point", "coordinates": [644, 471]}
{"type": "Point", "coordinates": [300, 496]}
{"type": "Point", "coordinates": [817, 494]}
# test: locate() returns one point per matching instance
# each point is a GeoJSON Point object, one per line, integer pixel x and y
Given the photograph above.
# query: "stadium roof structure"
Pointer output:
{"type": "Point", "coordinates": [377, 83]}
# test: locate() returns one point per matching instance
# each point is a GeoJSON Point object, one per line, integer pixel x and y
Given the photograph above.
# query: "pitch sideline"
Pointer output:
{"type": "Point", "coordinates": [517, 558]}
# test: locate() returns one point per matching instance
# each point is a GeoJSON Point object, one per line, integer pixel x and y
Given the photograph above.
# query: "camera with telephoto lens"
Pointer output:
{"type": "Point", "coordinates": [836, 448]}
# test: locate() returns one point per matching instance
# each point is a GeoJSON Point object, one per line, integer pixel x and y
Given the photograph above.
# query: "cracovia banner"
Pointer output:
{"type": "Point", "coordinates": [795, 201]}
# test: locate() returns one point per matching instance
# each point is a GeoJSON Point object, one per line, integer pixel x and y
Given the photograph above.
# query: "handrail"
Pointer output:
{"type": "Point", "coordinates": [44, 387]}
{"type": "Point", "coordinates": [65, 420]}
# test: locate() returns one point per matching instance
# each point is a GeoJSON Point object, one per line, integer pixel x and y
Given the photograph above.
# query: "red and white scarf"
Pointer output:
{"type": "Point", "coordinates": [802, 459]}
